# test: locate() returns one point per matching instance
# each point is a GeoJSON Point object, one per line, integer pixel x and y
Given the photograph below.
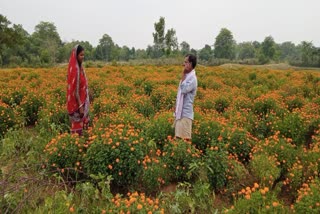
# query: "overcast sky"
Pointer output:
{"type": "Point", "coordinates": [198, 22]}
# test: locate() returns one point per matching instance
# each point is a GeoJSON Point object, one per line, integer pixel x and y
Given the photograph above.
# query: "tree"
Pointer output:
{"type": "Point", "coordinates": [185, 48]}
{"type": "Point", "coordinates": [171, 41]}
{"type": "Point", "coordinates": [104, 49]}
{"type": "Point", "coordinates": [246, 50]}
{"type": "Point", "coordinates": [124, 53]}
{"type": "Point", "coordinates": [141, 54]}
{"type": "Point", "coordinates": [206, 53]}
{"type": "Point", "coordinates": [308, 53]}
{"type": "Point", "coordinates": [46, 42]}
{"type": "Point", "coordinates": [159, 37]}
{"type": "Point", "coordinates": [224, 46]}
{"type": "Point", "coordinates": [288, 51]}
{"type": "Point", "coordinates": [267, 50]}
{"type": "Point", "coordinates": [10, 39]}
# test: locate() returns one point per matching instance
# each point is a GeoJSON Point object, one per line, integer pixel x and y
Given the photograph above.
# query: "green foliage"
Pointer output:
{"type": "Point", "coordinates": [7, 119]}
{"type": "Point", "coordinates": [263, 107]}
{"type": "Point", "coordinates": [14, 98]}
{"type": "Point", "coordinates": [239, 143]}
{"type": "Point", "coordinates": [221, 104]}
{"type": "Point", "coordinates": [217, 166]}
{"type": "Point", "coordinates": [123, 90]}
{"type": "Point", "coordinates": [205, 132]}
{"type": "Point", "coordinates": [284, 152]}
{"type": "Point", "coordinates": [265, 168]}
{"type": "Point", "coordinates": [178, 155]}
{"type": "Point", "coordinates": [143, 105]}
{"type": "Point", "coordinates": [118, 152]}
{"type": "Point", "coordinates": [292, 126]}
{"type": "Point", "coordinates": [294, 103]}
{"type": "Point", "coordinates": [65, 154]}
{"type": "Point", "coordinates": [30, 107]}
{"type": "Point", "coordinates": [267, 50]}
{"type": "Point", "coordinates": [224, 45]}
{"type": "Point", "coordinates": [154, 175]}
{"type": "Point", "coordinates": [159, 128]}
{"type": "Point", "coordinates": [190, 198]}
{"type": "Point", "coordinates": [309, 197]}
{"type": "Point", "coordinates": [257, 202]}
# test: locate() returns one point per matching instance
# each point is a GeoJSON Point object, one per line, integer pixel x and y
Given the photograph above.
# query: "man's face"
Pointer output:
{"type": "Point", "coordinates": [187, 65]}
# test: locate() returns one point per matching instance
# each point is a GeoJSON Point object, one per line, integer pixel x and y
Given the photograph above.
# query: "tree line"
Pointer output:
{"type": "Point", "coordinates": [44, 47]}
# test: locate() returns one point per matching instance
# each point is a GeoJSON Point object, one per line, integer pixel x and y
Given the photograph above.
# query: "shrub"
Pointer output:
{"type": "Point", "coordinates": [143, 105]}
{"type": "Point", "coordinates": [205, 132]}
{"type": "Point", "coordinates": [257, 200]}
{"type": "Point", "coordinates": [292, 126]}
{"type": "Point", "coordinates": [263, 106]}
{"type": "Point", "coordinates": [155, 172]}
{"type": "Point", "coordinates": [217, 166]}
{"type": "Point", "coordinates": [308, 198]}
{"type": "Point", "coordinates": [30, 107]}
{"type": "Point", "coordinates": [221, 104]}
{"type": "Point", "coordinates": [239, 143]}
{"type": "Point", "coordinates": [123, 90]}
{"type": "Point", "coordinates": [265, 168]}
{"type": "Point", "coordinates": [177, 156]}
{"type": "Point", "coordinates": [14, 98]}
{"type": "Point", "coordinates": [117, 151]}
{"type": "Point", "coordinates": [294, 103]}
{"type": "Point", "coordinates": [7, 119]}
{"type": "Point", "coordinates": [159, 128]}
{"type": "Point", "coordinates": [65, 154]}
{"type": "Point", "coordinates": [54, 118]}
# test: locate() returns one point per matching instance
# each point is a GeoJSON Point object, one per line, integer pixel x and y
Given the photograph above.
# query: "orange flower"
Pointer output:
{"type": "Point", "coordinates": [139, 206]}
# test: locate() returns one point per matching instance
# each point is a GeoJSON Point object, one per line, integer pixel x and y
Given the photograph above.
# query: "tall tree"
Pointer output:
{"type": "Point", "coordinates": [246, 50]}
{"type": "Point", "coordinates": [288, 51]}
{"type": "Point", "coordinates": [307, 53]}
{"type": "Point", "coordinates": [171, 41]}
{"type": "Point", "coordinates": [124, 53]}
{"type": "Point", "coordinates": [224, 46]}
{"type": "Point", "coordinates": [184, 48]}
{"type": "Point", "coordinates": [206, 53]}
{"type": "Point", "coordinates": [10, 37]}
{"type": "Point", "coordinates": [47, 41]}
{"type": "Point", "coordinates": [159, 37]}
{"type": "Point", "coordinates": [104, 49]}
{"type": "Point", "coordinates": [267, 50]}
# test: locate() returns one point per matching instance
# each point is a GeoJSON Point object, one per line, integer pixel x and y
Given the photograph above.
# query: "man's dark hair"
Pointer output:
{"type": "Point", "coordinates": [192, 59]}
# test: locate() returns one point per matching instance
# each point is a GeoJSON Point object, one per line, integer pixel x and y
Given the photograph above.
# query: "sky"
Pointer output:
{"type": "Point", "coordinates": [198, 22]}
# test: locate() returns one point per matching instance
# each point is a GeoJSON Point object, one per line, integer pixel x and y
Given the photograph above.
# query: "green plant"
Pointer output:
{"type": "Point", "coordinates": [217, 165]}
{"type": "Point", "coordinates": [65, 154]}
{"type": "Point", "coordinates": [308, 200]}
{"type": "Point", "coordinates": [159, 128]}
{"type": "Point", "coordinates": [7, 119]}
{"type": "Point", "coordinates": [177, 156]}
{"type": "Point", "coordinates": [239, 143]}
{"type": "Point", "coordinates": [292, 126]}
{"type": "Point", "coordinates": [30, 106]}
{"type": "Point", "coordinates": [205, 132]}
{"type": "Point", "coordinates": [117, 151]}
{"type": "Point", "coordinates": [221, 104]}
{"type": "Point", "coordinates": [265, 168]}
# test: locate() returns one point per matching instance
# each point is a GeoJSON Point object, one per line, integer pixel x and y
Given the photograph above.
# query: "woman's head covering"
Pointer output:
{"type": "Point", "coordinates": [79, 49]}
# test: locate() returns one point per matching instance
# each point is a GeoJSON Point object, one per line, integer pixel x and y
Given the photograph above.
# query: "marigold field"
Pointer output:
{"type": "Point", "coordinates": [255, 144]}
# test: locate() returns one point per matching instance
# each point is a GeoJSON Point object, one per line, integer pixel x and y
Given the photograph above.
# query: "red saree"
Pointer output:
{"type": "Point", "coordinates": [77, 94]}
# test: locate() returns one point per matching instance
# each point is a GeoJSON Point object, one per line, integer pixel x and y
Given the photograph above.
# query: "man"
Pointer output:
{"type": "Point", "coordinates": [185, 97]}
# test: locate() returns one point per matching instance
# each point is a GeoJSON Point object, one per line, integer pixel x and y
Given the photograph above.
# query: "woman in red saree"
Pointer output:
{"type": "Point", "coordinates": [77, 93]}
